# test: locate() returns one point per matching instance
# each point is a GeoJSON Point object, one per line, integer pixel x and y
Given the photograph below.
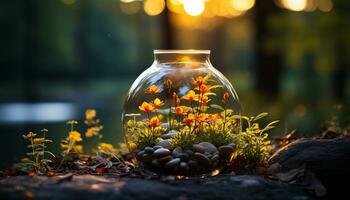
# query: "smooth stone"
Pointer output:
{"type": "Point", "coordinates": [177, 151]}
{"type": "Point", "coordinates": [226, 151]}
{"type": "Point", "coordinates": [157, 147]}
{"type": "Point", "coordinates": [183, 156]}
{"type": "Point", "coordinates": [164, 159]}
{"type": "Point", "coordinates": [209, 147]}
{"type": "Point", "coordinates": [149, 150]}
{"type": "Point", "coordinates": [201, 158]}
{"type": "Point", "coordinates": [192, 164]}
{"type": "Point", "coordinates": [165, 144]}
{"type": "Point", "coordinates": [147, 157]}
{"type": "Point", "coordinates": [172, 163]}
{"type": "Point", "coordinates": [170, 134]}
{"type": "Point", "coordinates": [161, 152]}
{"type": "Point", "coordinates": [208, 154]}
{"type": "Point", "coordinates": [155, 163]}
{"type": "Point", "coordinates": [198, 148]}
{"type": "Point", "coordinates": [183, 167]}
{"type": "Point", "coordinates": [189, 152]}
{"type": "Point", "coordinates": [215, 159]}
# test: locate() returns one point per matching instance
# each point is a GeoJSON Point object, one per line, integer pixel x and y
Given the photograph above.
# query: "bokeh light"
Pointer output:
{"type": "Point", "coordinates": [131, 7]}
{"type": "Point", "coordinates": [294, 5]}
{"type": "Point", "coordinates": [153, 7]}
{"type": "Point", "coordinates": [194, 7]}
{"type": "Point", "coordinates": [243, 5]}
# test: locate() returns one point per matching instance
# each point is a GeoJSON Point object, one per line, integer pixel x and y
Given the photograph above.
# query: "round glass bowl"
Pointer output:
{"type": "Point", "coordinates": [181, 116]}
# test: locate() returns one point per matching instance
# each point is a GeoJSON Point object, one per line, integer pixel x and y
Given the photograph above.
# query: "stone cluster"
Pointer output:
{"type": "Point", "coordinates": [202, 158]}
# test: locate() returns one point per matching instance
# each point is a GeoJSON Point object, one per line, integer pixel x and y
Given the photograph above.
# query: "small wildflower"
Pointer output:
{"type": "Point", "coordinates": [38, 140]}
{"type": "Point", "coordinates": [204, 100]}
{"type": "Point", "coordinates": [153, 89]}
{"type": "Point", "coordinates": [106, 147]}
{"type": "Point", "coordinates": [90, 114]}
{"type": "Point", "coordinates": [190, 96]}
{"type": "Point", "coordinates": [132, 146]}
{"type": "Point", "coordinates": [74, 136]}
{"type": "Point", "coordinates": [189, 119]}
{"type": "Point", "coordinates": [29, 135]}
{"type": "Point", "coordinates": [93, 131]}
{"type": "Point", "coordinates": [204, 89]}
{"type": "Point", "coordinates": [214, 118]}
{"type": "Point", "coordinates": [146, 107]}
{"type": "Point", "coordinates": [176, 99]}
{"type": "Point", "coordinates": [157, 103]}
{"type": "Point", "coordinates": [226, 96]}
{"type": "Point", "coordinates": [181, 110]}
{"type": "Point", "coordinates": [198, 80]}
{"type": "Point", "coordinates": [154, 122]}
{"type": "Point", "coordinates": [201, 118]}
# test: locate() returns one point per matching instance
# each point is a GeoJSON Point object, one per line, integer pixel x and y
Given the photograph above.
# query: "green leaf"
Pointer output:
{"type": "Point", "coordinates": [217, 107]}
{"type": "Point", "coordinates": [260, 116]}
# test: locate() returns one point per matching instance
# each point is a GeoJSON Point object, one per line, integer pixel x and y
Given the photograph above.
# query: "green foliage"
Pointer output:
{"type": "Point", "coordinates": [35, 160]}
{"type": "Point", "coordinates": [253, 144]}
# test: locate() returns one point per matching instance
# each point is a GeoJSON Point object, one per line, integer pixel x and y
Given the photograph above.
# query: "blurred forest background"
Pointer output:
{"type": "Point", "coordinates": [290, 58]}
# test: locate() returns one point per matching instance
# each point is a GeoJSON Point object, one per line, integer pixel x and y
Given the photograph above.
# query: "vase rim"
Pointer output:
{"type": "Point", "coordinates": [181, 51]}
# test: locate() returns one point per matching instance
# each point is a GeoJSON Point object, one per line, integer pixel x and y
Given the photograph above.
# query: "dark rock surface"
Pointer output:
{"type": "Point", "coordinates": [328, 159]}
{"type": "Point", "coordinates": [103, 187]}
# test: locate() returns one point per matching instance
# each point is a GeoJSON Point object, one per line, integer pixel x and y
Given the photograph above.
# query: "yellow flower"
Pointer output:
{"type": "Point", "coordinates": [201, 118]}
{"type": "Point", "coordinates": [74, 136]}
{"type": "Point", "coordinates": [78, 149]}
{"type": "Point", "coordinates": [157, 103]}
{"type": "Point", "coordinates": [29, 135]}
{"type": "Point", "coordinates": [64, 146]}
{"type": "Point", "coordinates": [146, 107]}
{"type": "Point", "coordinates": [132, 146]}
{"type": "Point", "coordinates": [153, 89]}
{"type": "Point", "coordinates": [190, 96]}
{"type": "Point", "coordinates": [90, 114]}
{"type": "Point", "coordinates": [181, 110]}
{"type": "Point", "coordinates": [214, 118]}
{"type": "Point", "coordinates": [38, 140]}
{"type": "Point", "coordinates": [189, 119]}
{"type": "Point", "coordinates": [93, 131]}
{"type": "Point", "coordinates": [199, 80]}
{"type": "Point", "coordinates": [106, 147]}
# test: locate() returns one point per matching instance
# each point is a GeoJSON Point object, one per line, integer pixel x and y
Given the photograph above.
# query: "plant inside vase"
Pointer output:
{"type": "Point", "coordinates": [193, 134]}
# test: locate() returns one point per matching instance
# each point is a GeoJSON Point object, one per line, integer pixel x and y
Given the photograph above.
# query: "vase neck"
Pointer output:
{"type": "Point", "coordinates": [182, 56]}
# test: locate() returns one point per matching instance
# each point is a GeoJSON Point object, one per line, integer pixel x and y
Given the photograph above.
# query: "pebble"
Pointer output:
{"type": "Point", "coordinates": [177, 151]}
{"type": "Point", "coordinates": [183, 167]}
{"type": "Point", "coordinates": [189, 152]}
{"type": "Point", "coordinates": [209, 147]}
{"type": "Point", "coordinates": [202, 159]}
{"type": "Point", "coordinates": [147, 157]}
{"type": "Point", "coordinates": [140, 154]}
{"type": "Point", "coordinates": [183, 156]}
{"type": "Point", "coordinates": [215, 159]}
{"type": "Point", "coordinates": [157, 147]}
{"type": "Point", "coordinates": [170, 134]}
{"type": "Point", "coordinates": [226, 151]}
{"type": "Point", "coordinates": [198, 148]}
{"type": "Point", "coordinates": [149, 150]}
{"type": "Point", "coordinates": [155, 163]}
{"type": "Point", "coordinates": [192, 164]}
{"type": "Point", "coordinates": [165, 144]}
{"type": "Point", "coordinates": [164, 159]}
{"type": "Point", "coordinates": [172, 163]}
{"type": "Point", "coordinates": [162, 152]}
{"type": "Point", "coordinates": [208, 154]}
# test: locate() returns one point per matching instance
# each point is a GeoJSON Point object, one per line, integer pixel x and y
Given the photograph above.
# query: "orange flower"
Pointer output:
{"type": "Point", "coordinates": [181, 110]}
{"type": "Point", "coordinates": [189, 119]}
{"type": "Point", "coordinates": [214, 118]}
{"type": "Point", "coordinates": [146, 107]}
{"type": "Point", "coordinates": [190, 96]}
{"type": "Point", "coordinates": [153, 89]}
{"type": "Point", "coordinates": [226, 96]}
{"type": "Point", "coordinates": [201, 118]}
{"type": "Point", "coordinates": [199, 80]}
{"type": "Point", "coordinates": [157, 103]}
{"type": "Point", "coordinates": [204, 88]}
{"type": "Point", "coordinates": [154, 122]}
{"type": "Point", "coordinates": [176, 99]}
{"type": "Point", "coordinates": [204, 100]}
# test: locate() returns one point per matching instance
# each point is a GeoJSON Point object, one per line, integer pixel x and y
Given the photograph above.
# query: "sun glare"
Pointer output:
{"type": "Point", "coordinates": [194, 7]}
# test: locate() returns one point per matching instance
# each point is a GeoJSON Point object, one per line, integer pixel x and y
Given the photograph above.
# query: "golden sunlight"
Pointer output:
{"type": "Point", "coordinates": [153, 7]}
{"type": "Point", "coordinates": [243, 5]}
{"type": "Point", "coordinates": [194, 7]}
{"type": "Point", "coordinates": [294, 5]}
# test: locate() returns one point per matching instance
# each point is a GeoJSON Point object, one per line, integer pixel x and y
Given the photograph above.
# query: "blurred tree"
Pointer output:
{"type": "Point", "coordinates": [268, 63]}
